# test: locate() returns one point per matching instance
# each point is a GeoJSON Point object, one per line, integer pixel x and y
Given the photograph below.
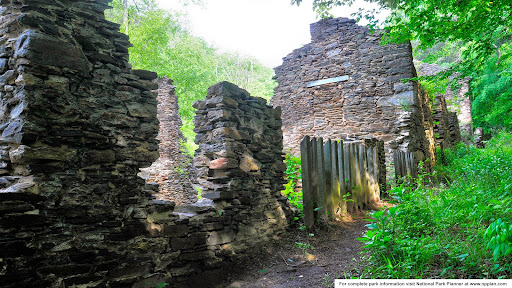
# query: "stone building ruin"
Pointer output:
{"type": "Point", "coordinates": [172, 170]}
{"type": "Point", "coordinates": [458, 102]}
{"type": "Point", "coordinates": [77, 124]}
{"type": "Point", "coordinates": [345, 85]}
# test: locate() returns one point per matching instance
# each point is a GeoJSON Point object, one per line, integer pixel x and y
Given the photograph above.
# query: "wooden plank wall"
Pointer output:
{"type": "Point", "coordinates": [340, 177]}
{"type": "Point", "coordinates": [405, 165]}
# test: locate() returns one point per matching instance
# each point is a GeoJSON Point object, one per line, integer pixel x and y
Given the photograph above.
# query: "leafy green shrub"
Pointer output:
{"type": "Point", "coordinates": [293, 175]}
{"type": "Point", "coordinates": [457, 231]}
{"type": "Point", "coordinates": [499, 234]}
{"type": "Point", "coordinates": [379, 238]}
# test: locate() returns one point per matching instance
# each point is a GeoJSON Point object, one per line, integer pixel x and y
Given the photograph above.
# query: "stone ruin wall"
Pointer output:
{"type": "Point", "coordinates": [172, 169]}
{"type": "Point", "coordinates": [77, 125]}
{"type": "Point", "coordinates": [372, 103]}
{"type": "Point", "coordinates": [240, 163]}
{"type": "Point", "coordinates": [458, 103]}
{"type": "Point", "coordinates": [80, 123]}
{"type": "Point", "coordinates": [446, 124]}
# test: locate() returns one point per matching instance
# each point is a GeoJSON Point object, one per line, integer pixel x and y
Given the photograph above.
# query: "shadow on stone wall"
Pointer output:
{"type": "Point", "coordinates": [172, 171]}
{"type": "Point", "coordinates": [77, 125]}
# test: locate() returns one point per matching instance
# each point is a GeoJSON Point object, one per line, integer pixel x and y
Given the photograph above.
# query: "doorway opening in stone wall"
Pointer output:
{"type": "Point", "coordinates": [173, 170]}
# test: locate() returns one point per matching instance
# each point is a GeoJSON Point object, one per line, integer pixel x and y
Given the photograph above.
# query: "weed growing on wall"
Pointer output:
{"type": "Point", "coordinates": [462, 231]}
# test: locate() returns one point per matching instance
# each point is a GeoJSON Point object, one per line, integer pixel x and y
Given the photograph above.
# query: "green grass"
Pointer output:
{"type": "Point", "coordinates": [459, 230]}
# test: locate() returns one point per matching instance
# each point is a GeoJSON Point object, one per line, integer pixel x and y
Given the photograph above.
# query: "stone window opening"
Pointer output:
{"type": "Point", "coordinates": [173, 170]}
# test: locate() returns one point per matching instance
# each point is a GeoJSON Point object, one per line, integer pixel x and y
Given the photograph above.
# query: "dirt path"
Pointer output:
{"type": "Point", "coordinates": [302, 260]}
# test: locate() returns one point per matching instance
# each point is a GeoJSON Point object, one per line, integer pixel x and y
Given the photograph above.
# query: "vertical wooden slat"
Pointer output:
{"type": "Point", "coordinates": [403, 166]}
{"type": "Point", "coordinates": [397, 166]}
{"type": "Point", "coordinates": [351, 182]}
{"type": "Point", "coordinates": [341, 177]}
{"type": "Point", "coordinates": [348, 176]}
{"type": "Point", "coordinates": [376, 183]}
{"type": "Point", "coordinates": [335, 184]}
{"type": "Point", "coordinates": [364, 179]}
{"type": "Point", "coordinates": [408, 163]}
{"type": "Point", "coordinates": [360, 167]}
{"type": "Point", "coordinates": [405, 162]}
{"type": "Point", "coordinates": [314, 175]}
{"type": "Point", "coordinates": [320, 195]}
{"type": "Point", "coordinates": [369, 174]}
{"type": "Point", "coordinates": [366, 175]}
{"type": "Point", "coordinates": [400, 167]}
{"type": "Point", "coordinates": [395, 163]}
{"type": "Point", "coordinates": [357, 178]}
{"type": "Point", "coordinates": [356, 184]}
{"type": "Point", "coordinates": [414, 166]}
{"type": "Point", "coordinates": [329, 205]}
{"type": "Point", "coordinates": [307, 192]}
{"type": "Point", "coordinates": [381, 156]}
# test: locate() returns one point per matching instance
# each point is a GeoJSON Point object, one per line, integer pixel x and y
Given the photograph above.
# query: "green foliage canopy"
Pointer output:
{"type": "Point", "coordinates": [492, 92]}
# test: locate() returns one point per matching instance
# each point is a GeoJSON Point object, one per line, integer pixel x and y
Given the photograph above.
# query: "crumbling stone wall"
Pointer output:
{"type": "Point", "coordinates": [240, 162]}
{"type": "Point", "coordinates": [446, 125]}
{"type": "Point", "coordinates": [440, 116]}
{"type": "Point", "coordinates": [454, 128]}
{"type": "Point", "coordinates": [172, 169]}
{"type": "Point", "coordinates": [77, 125]}
{"type": "Point", "coordinates": [458, 103]}
{"type": "Point", "coordinates": [369, 99]}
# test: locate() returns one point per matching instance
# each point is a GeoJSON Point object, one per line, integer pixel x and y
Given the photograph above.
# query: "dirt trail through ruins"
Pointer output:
{"type": "Point", "coordinates": [300, 260]}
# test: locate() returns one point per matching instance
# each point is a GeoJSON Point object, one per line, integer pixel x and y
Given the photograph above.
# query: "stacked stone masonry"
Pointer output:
{"type": "Point", "coordinates": [457, 102]}
{"type": "Point", "coordinates": [369, 100]}
{"type": "Point", "coordinates": [172, 169]}
{"type": "Point", "coordinates": [428, 120]}
{"type": "Point", "coordinates": [446, 124]}
{"type": "Point", "coordinates": [240, 163]}
{"type": "Point", "coordinates": [77, 125]}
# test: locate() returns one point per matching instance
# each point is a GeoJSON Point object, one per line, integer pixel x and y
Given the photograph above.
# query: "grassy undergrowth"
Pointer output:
{"type": "Point", "coordinates": [459, 230]}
